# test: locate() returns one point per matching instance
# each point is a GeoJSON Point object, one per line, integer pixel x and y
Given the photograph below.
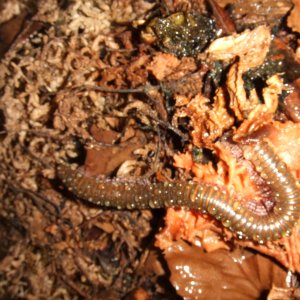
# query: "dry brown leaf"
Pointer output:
{"type": "Point", "coordinates": [249, 13]}
{"type": "Point", "coordinates": [294, 17]}
{"type": "Point", "coordinates": [106, 160]}
{"type": "Point", "coordinates": [250, 46]}
{"type": "Point", "coordinates": [209, 121]}
{"type": "Point", "coordinates": [168, 66]}
{"type": "Point", "coordinates": [250, 108]}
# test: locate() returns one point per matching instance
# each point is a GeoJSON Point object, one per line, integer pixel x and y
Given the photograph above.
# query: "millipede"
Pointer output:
{"type": "Point", "coordinates": [206, 198]}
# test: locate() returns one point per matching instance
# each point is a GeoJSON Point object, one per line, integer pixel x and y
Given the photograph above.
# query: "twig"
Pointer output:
{"type": "Point", "coordinates": [168, 126]}
{"type": "Point", "coordinates": [112, 90]}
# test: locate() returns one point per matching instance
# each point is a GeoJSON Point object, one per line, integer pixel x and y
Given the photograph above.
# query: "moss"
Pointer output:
{"type": "Point", "coordinates": [278, 61]}
{"type": "Point", "coordinates": [183, 34]}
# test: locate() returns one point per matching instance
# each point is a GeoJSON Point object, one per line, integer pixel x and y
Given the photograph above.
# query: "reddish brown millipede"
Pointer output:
{"type": "Point", "coordinates": [204, 197]}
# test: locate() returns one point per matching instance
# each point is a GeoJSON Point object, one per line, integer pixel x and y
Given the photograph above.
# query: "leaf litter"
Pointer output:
{"type": "Point", "coordinates": [101, 85]}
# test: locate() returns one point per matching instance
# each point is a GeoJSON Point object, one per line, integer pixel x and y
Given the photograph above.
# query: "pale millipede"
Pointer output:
{"type": "Point", "coordinates": [204, 197]}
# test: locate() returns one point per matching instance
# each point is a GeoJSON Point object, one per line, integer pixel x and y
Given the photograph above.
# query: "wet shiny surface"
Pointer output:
{"type": "Point", "coordinates": [221, 274]}
{"type": "Point", "coordinates": [183, 34]}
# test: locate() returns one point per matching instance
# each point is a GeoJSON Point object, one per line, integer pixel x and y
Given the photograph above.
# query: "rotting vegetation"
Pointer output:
{"type": "Point", "coordinates": [108, 87]}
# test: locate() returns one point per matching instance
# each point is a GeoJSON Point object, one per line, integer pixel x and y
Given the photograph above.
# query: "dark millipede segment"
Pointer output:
{"type": "Point", "coordinates": [204, 197]}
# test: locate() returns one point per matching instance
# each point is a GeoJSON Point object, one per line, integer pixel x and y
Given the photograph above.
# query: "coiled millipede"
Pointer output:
{"type": "Point", "coordinates": [204, 197]}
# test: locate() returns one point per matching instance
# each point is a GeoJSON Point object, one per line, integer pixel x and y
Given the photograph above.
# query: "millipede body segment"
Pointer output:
{"type": "Point", "coordinates": [204, 197]}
